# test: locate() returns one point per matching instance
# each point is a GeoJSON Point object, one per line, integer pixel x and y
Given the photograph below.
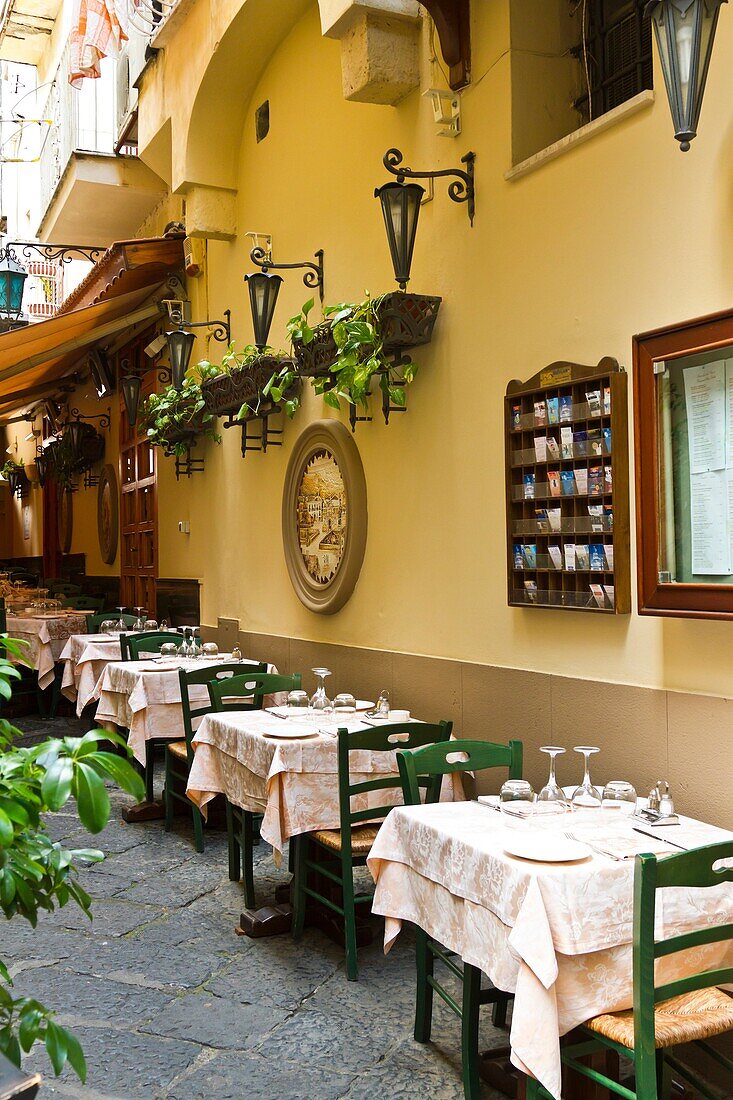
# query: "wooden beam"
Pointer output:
{"type": "Point", "coordinates": [452, 20]}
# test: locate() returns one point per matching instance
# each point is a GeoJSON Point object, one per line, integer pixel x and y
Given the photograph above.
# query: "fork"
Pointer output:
{"type": "Point", "coordinates": [594, 848]}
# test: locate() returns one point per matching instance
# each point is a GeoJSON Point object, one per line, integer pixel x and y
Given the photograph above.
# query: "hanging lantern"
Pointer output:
{"type": "Point", "coordinates": [12, 281]}
{"type": "Point", "coordinates": [264, 288]}
{"type": "Point", "coordinates": [43, 465]}
{"type": "Point", "coordinates": [401, 210]}
{"type": "Point", "coordinates": [180, 347]}
{"type": "Point", "coordinates": [685, 31]}
{"type": "Point", "coordinates": [76, 429]}
{"type": "Point", "coordinates": [131, 384]}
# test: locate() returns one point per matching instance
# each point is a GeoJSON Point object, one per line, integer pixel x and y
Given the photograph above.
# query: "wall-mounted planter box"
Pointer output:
{"type": "Point", "coordinates": [407, 321]}
{"type": "Point", "coordinates": [18, 482]}
{"type": "Point", "coordinates": [225, 394]}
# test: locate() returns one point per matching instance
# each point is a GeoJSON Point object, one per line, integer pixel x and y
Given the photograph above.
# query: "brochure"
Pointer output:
{"type": "Point", "coordinates": [606, 400]}
{"type": "Point", "coordinates": [566, 442]}
{"type": "Point", "coordinates": [595, 511]}
{"type": "Point", "coordinates": [540, 448]}
{"type": "Point", "coordinates": [581, 555]}
{"type": "Point", "coordinates": [606, 441]}
{"type": "Point", "coordinates": [531, 590]}
{"type": "Point", "coordinates": [554, 516]}
{"type": "Point", "coordinates": [529, 486]}
{"type": "Point", "coordinates": [610, 593]}
{"type": "Point", "coordinates": [570, 556]}
{"type": "Point", "coordinates": [581, 481]}
{"type": "Point", "coordinates": [593, 397]}
{"type": "Point", "coordinates": [540, 414]}
{"type": "Point", "coordinates": [553, 480]}
{"type": "Point", "coordinates": [597, 591]}
{"type": "Point", "coordinates": [580, 443]}
{"type": "Point", "coordinates": [597, 558]}
{"type": "Point", "coordinates": [518, 556]}
{"type": "Point", "coordinates": [566, 408]}
{"type": "Point", "coordinates": [516, 416]}
{"type": "Point", "coordinates": [607, 479]}
{"type": "Point", "coordinates": [608, 516]}
{"type": "Point", "coordinates": [595, 481]}
{"type": "Point", "coordinates": [553, 451]}
{"type": "Point", "coordinates": [608, 550]}
{"type": "Point", "coordinates": [553, 410]}
{"type": "Point", "coordinates": [595, 441]}
{"type": "Point", "coordinates": [555, 556]}
{"type": "Point", "coordinates": [541, 514]}
{"type": "Point", "coordinates": [567, 479]}
{"type": "Point", "coordinates": [529, 550]}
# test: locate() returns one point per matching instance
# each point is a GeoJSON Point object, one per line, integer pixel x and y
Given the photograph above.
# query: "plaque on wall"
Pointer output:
{"type": "Point", "coordinates": [324, 516]}
{"type": "Point", "coordinates": [66, 520]}
{"type": "Point", "coordinates": [107, 514]}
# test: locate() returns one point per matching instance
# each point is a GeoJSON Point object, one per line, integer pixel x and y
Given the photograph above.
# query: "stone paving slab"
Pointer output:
{"type": "Point", "coordinates": [169, 1004]}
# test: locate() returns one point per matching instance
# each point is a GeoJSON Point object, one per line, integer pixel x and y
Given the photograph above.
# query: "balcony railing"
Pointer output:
{"type": "Point", "coordinates": [148, 16]}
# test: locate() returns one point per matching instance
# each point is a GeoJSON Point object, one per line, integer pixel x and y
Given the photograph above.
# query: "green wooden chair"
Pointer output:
{"type": "Point", "coordinates": [95, 621]}
{"type": "Point", "coordinates": [64, 588]}
{"type": "Point", "coordinates": [646, 1032]}
{"type": "Point", "coordinates": [83, 603]}
{"type": "Point", "coordinates": [427, 767]}
{"type": "Point", "coordinates": [246, 692]}
{"type": "Point", "coordinates": [133, 646]}
{"type": "Point", "coordinates": [179, 754]}
{"type": "Point", "coordinates": [349, 846]}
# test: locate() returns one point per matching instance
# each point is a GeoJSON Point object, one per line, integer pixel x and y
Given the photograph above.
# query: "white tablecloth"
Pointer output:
{"type": "Point", "coordinates": [46, 636]}
{"type": "Point", "coordinates": [85, 658]}
{"type": "Point", "coordinates": [148, 703]}
{"type": "Point", "coordinates": [557, 935]}
{"type": "Point", "coordinates": [293, 783]}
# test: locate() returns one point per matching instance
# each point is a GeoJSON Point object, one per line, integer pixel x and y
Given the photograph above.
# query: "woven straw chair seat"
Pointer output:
{"type": "Point", "coordinates": [362, 838]}
{"type": "Point", "coordinates": [698, 1015]}
{"type": "Point", "coordinates": [178, 748]}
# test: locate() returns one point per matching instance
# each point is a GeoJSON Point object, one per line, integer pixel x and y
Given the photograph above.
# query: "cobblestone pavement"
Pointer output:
{"type": "Point", "coordinates": [169, 1003]}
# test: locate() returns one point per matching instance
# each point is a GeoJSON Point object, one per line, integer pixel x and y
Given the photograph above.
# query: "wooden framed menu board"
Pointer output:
{"type": "Point", "coordinates": [567, 489]}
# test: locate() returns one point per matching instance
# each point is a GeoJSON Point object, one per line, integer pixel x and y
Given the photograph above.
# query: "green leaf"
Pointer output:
{"type": "Point", "coordinates": [397, 393]}
{"type": "Point", "coordinates": [331, 399]}
{"type": "Point", "coordinates": [92, 798]}
{"type": "Point", "coordinates": [56, 785]}
{"type": "Point", "coordinates": [75, 1055]}
{"type": "Point", "coordinates": [56, 1046]}
{"type": "Point", "coordinates": [122, 772]}
{"type": "Point", "coordinates": [7, 832]}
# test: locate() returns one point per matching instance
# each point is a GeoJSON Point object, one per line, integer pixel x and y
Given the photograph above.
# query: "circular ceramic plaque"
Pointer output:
{"type": "Point", "coordinates": [324, 516]}
{"type": "Point", "coordinates": [107, 515]}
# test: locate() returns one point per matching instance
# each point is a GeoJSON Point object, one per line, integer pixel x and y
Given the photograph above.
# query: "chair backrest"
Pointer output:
{"type": "Point", "coordinates": [85, 603]}
{"type": "Point", "coordinates": [432, 763]}
{"type": "Point", "coordinates": [22, 575]}
{"type": "Point", "coordinates": [249, 689]}
{"type": "Point", "coordinates": [693, 869]}
{"type": "Point", "coordinates": [387, 738]}
{"type": "Point", "coordinates": [224, 673]}
{"type": "Point", "coordinates": [95, 621]}
{"type": "Point", "coordinates": [147, 641]}
{"type": "Point", "coordinates": [64, 588]}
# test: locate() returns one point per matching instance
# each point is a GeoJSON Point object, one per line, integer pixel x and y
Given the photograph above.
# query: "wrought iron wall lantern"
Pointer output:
{"type": "Point", "coordinates": [86, 445]}
{"type": "Point", "coordinates": [43, 465]}
{"type": "Point", "coordinates": [12, 282]}
{"type": "Point", "coordinates": [264, 288]}
{"type": "Point", "coordinates": [181, 340]}
{"type": "Point", "coordinates": [18, 482]}
{"type": "Point", "coordinates": [685, 33]}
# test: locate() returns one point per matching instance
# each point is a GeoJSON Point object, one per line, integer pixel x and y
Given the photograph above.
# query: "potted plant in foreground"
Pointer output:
{"type": "Point", "coordinates": [358, 341]}
{"type": "Point", "coordinates": [174, 419]}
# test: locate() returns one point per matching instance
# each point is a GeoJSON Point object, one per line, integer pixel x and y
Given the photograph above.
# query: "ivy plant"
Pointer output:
{"type": "Point", "coordinates": [360, 354]}
{"type": "Point", "coordinates": [9, 467]}
{"type": "Point", "coordinates": [167, 414]}
{"type": "Point", "coordinates": [37, 874]}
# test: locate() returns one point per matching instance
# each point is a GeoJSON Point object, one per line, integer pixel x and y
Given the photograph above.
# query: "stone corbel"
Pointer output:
{"type": "Point", "coordinates": [211, 212]}
{"type": "Point", "coordinates": [379, 47]}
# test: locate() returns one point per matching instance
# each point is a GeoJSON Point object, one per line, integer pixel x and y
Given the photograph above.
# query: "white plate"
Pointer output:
{"type": "Point", "coordinates": [287, 733]}
{"type": "Point", "coordinates": [545, 848]}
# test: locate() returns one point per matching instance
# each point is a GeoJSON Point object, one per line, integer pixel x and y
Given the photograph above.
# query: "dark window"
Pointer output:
{"type": "Point", "coordinates": [617, 60]}
{"type": "Point", "coordinates": [262, 120]}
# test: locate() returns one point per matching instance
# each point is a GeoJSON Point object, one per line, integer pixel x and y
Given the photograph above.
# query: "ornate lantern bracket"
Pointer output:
{"type": "Point", "coordinates": [314, 272]}
{"type": "Point", "coordinates": [462, 189]}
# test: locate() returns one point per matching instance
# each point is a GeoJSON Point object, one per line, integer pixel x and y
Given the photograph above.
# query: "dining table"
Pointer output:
{"type": "Point", "coordinates": [46, 633]}
{"type": "Point", "coordinates": [557, 934]}
{"type": "Point", "coordinates": [285, 768]}
{"type": "Point", "coordinates": [85, 657]}
{"type": "Point", "coordinates": [144, 697]}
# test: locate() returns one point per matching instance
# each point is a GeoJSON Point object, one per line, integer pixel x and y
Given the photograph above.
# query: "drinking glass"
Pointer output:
{"type": "Point", "coordinates": [168, 650]}
{"type": "Point", "coordinates": [121, 625]}
{"type": "Point", "coordinates": [319, 699]}
{"type": "Point", "coordinates": [516, 798]}
{"type": "Point", "coordinates": [298, 703]}
{"type": "Point", "coordinates": [344, 703]}
{"type": "Point", "coordinates": [151, 624]}
{"type": "Point", "coordinates": [619, 795]}
{"type": "Point", "coordinates": [586, 796]}
{"type": "Point", "coordinates": [210, 650]}
{"type": "Point", "coordinates": [109, 626]}
{"type": "Point", "coordinates": [140, 621]}
{"type": "Point", "coordinates": [552, 798]}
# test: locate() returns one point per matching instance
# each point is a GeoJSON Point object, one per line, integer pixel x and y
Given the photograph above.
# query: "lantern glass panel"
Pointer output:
{"type": "Point", "coordinates": [76, 432]}
{"type": "Point", "coordinates": [264, 288]}
{"type": "Point", "coordinates": [12, 282]}
{"type": "Point", "coordinates": [685, 30]}
{"type": "Point", "coordinates": [401, 211]}
{"type": "Point", "coordinates": [131, 385]}
{"type": "Point", "coordinates": [180, 347]}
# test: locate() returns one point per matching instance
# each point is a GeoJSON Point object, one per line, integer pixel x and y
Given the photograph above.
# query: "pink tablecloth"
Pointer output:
{"type": "Point", "coordinates": [46, 636]}
{"type": "Point", "coordinates": [85, 658]}
{"type": "Point", "coordinates": [146, 701]}
{"type": "Point", "coordinates": [557, 935]}
{"type": "Point", "coordinates": [293, 783]}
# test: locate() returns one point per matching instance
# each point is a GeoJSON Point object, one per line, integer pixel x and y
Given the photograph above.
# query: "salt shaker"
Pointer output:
{"type": "Point", "coordinates": [236, 653]}
{"type": "Point", "coordinates": [666, 805]}
{"type": "Point", "coordinates": [383, 704]}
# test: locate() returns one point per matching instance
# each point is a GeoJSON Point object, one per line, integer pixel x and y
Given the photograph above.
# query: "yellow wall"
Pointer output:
{"type": "Point", "coordinates": [84, 536]}
{"type": "Point", "coordinates": [14, 542]}
{"type": "Point", "coordinates": [620, 235]}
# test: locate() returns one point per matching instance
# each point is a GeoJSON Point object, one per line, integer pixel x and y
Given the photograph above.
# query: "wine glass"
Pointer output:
{"type": "Point", "coordinates": [319, 699]}
{"type": "Point", "coordinates": [552, 798]}
{"type": "Point", "coordinates": [121, 624]}
{"type": "Point", "coordinates": [619, 795]}
{"type": "Point", "coordinates": [586, 796]}
{"type": "Point", "coordinates": [140, 621]}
